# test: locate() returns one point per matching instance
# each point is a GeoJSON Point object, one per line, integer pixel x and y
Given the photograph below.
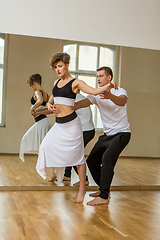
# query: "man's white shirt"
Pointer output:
{"type": "Point", "coordinates": [114, 117]}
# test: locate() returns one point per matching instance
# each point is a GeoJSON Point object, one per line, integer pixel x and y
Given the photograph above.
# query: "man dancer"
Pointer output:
{"type": "Point", "coordinates": [103, 157]}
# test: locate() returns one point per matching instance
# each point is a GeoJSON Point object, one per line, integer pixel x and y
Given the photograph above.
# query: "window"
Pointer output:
{"type": "Point", "coordinates": [85, 59]}
{"type": "Point", "coordinates": [2, 44]}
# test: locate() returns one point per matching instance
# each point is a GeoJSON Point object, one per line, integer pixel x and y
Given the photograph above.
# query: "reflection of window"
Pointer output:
{"type": "Point", "coordinates": [2, 42]}
{"type": "Point", "coordinates": [71, 49]}
{"type": "Point", "coordinates": [85, 59]}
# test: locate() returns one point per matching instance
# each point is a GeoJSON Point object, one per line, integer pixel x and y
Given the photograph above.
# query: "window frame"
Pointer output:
{"type": "Point", "coordinates": [4, 66]}
{"type": "Point", "coordinates": [79, 72]}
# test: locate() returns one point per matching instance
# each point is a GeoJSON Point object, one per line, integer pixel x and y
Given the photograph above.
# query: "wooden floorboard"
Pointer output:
{"type": "Point", "coordinates": [140, 173]}
{"type": "Point", "coordinates": [34, 209]}
{"type": "Point", "coordinates": [72, 188]}
{"type": "Point", "coordinates": [48, 215]}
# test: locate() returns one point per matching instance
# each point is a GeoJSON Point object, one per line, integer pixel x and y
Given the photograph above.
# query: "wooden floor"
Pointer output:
{"type": "Point", "coordinates": [49, 215]}
{"type": "Point", "coordinates": [129, 172]}
{"type": "Point", "coordinates": [52, 214]}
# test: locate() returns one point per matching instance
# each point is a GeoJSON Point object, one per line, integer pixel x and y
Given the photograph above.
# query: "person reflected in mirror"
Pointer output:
{"type": "Point", "coordinates": [85, 115]}
{"type": "Point", "coordinates": [33, 137]}
{"type": "Point", "coordinates": [63, 145]}
{"type": "Point", "coordinates": [101, 161]}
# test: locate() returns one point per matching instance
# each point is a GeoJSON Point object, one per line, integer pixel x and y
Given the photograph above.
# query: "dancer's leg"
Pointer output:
{"type": "Point", "coordinates": [82, 176]}
{"type": "Point", "coordinates": [116, 144]}
{"type": "Point", "coordinates": [53, 177]}
{"type": "Point", "coordinates": [87, 137]}
{"type": "Point", "coordinates": [78, 183]}
{"type": "Point", "coordinates": [67, 174]}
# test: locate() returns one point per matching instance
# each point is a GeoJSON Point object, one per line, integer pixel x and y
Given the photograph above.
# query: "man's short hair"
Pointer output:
{"type": "Point", "coordinates": [108, 71]}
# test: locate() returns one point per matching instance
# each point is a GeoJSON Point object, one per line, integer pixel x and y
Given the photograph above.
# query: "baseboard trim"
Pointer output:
{"type": "Point", "coordinates": [72, 188]}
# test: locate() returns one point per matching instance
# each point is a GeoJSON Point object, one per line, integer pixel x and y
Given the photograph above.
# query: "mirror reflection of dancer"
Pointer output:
{"type": "Point", "coordinates": [103, 157]}
{"type": "Point", "coordinates": [33, 137]}
{"type": "Point", "coordinates": [63, 144]}
{"type": "Point", "coordinates": [85, 116]}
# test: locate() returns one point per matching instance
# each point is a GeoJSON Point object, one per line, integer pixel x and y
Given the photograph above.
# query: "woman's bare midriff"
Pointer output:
{"type": "Point", "coordinates": [65, 110]}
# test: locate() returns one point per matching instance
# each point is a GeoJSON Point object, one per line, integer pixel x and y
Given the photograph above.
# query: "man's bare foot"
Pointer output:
{"type": "Point", "coordinates": [66, 178]}
{"type": "Point", "coordinates": [80, 197]}
{"type": "Point", "coordinates": [96, 194]}
{"type": "Point", "coordinates": [52, 178]}
{"type": "Point", "coordinates": [97, 201]}
{"type": "Point", "coordinates": [78, 183]}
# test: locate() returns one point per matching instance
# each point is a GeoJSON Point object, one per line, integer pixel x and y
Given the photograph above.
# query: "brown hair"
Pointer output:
{"type": "Point", "coordinates": [64, 57]}
{"type": "Point", "coordinates": [108, 71]}
{"type": "Point", "coordinates": [34, 78]}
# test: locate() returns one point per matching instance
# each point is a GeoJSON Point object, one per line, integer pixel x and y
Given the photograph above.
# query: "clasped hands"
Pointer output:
{"type": "Point", "coordinates": [107, 94]}
{"type": "Point", "coordinates": [53, 108]}
{"type": "Point", "coordinates": [32, 112]}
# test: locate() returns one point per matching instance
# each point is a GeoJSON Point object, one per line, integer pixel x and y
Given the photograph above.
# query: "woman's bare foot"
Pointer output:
{"type": "Point", "coordinates": [97, 201]}
{"type": "Point", "coordinates": [80, 197]}
{"type": "Point", "coordinates": [52, 178]}
{"type": "Point", "coordinates": [66, 178]}
{"type": "Point", "coordinates": [78, 183]}
{"type": "Point", "coordinates": [96, 194]}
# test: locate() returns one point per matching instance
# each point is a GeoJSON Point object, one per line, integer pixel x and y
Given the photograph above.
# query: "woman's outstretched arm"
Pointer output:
{"type": "Point", "coordinates": [81, 85]}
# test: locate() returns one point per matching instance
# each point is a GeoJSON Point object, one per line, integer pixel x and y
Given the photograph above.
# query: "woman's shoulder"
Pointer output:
{"type": "Point", "coordinates": [76, 80]}
{"type": "Point", "coordinates": [38, 91]}
{"type": "Point", "coordinates": [56, 81]}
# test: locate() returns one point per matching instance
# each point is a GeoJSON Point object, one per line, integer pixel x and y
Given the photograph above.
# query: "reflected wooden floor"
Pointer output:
{"type": "Point", "coordinates": [136, 173]}
{"type": "Point", "coordinates": [48, 215]}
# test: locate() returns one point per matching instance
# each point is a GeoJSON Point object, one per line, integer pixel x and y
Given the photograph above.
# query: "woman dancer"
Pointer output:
{"type": "Point", "coordinates": [85, 115]}
{"type": "Point", "coordinates": [33, 137]}
{"type": "Point", "coordinates": [63, 145]}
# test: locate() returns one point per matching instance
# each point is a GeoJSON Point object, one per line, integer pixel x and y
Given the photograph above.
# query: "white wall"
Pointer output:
{"type": "Point", "coordinates": [132, 23]}
{"type": "Point", "coordinates": [26, 56]}
{"type": "Point", "coordinates": [139, 76]}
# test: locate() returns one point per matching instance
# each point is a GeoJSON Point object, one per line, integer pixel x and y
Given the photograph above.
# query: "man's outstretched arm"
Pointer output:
{"type": "Point", "coordinates": [82, 104]}
{"type": "Point", "coordinates": [118, 100]}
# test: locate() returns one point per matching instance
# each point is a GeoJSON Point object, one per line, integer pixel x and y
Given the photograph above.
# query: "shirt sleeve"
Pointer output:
{"type": "Point", "coordinates": [91, 98]}
{"type": "Point", "coordinates": [120, 91]}
{"type": "Point", "coordinates": [123, 92]}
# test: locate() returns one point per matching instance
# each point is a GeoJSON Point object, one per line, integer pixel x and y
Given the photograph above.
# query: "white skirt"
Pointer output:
{"type": "Point", "coordinates": [33, 137]}
{"type": "Point", "coordinates": [61, 147]}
